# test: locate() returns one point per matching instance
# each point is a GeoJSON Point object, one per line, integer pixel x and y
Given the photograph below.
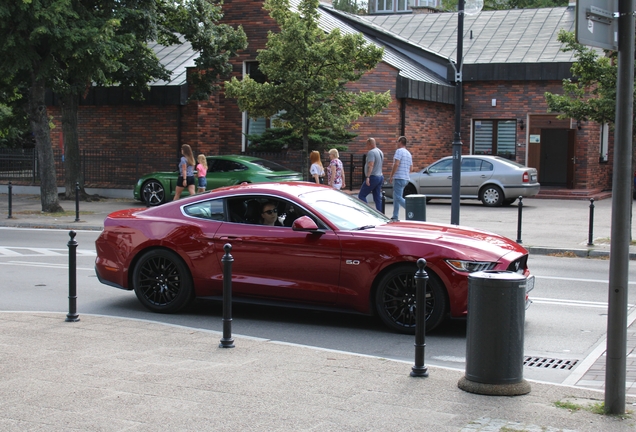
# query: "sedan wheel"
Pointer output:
{"type": "Point", "coordinates": [492, 196]}
{"type": "Point", "coordinates": [395, 300]}
{"type": "Point", "coordinates": [162, 282]}
{"type": "Point", "coordinates": [153, 193]}
{"type": "Point", "coordinates": [409, 190]}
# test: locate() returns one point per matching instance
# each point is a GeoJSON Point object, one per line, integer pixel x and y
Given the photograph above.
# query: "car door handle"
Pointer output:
{"type": "Point", "coordinates": [230, 238]}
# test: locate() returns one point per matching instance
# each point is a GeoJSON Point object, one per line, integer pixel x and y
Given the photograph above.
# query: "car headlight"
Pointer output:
{"type": "Point", "coordinates": [470, 266]}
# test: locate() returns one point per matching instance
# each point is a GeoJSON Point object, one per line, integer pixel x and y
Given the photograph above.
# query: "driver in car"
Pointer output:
{"type": "Point", "coordinates": [269, 214]}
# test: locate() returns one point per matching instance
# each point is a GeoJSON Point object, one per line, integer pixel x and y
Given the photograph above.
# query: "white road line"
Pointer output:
{"type": "Point", "coordinates": [577, 279]}
{"type": "Point", "coordinates": [12, 251]}
{"type": "Point", "coordinates": [42, 265]}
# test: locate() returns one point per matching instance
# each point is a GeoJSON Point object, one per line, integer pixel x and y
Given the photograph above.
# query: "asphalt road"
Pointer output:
{"type": "Point", "coordinates": [566, 322]}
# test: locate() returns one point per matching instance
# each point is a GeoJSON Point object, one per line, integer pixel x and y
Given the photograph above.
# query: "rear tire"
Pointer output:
{"type": "Point", "coordinates": [162, 281]}
{"type": "Point", "coordinates": [395, 301]}
{"type": "Point", "coordinates": [491, 196]}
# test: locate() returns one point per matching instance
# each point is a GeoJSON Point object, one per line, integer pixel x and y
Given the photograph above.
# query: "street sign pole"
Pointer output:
{"type": "Point", "coordinates": [616, 355]}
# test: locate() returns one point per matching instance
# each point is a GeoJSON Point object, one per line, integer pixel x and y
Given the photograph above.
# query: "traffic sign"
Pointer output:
{"type": "Point", "coordinates": [597, 23]}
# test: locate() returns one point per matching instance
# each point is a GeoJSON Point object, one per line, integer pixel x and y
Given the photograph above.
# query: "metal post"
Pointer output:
{"type": "Point", "coordinates": [519, 217]}
{"type": "Point", "coordinates": [421, 279]}
{"type": "Point", "coordinates": [384, 202]}
{"type": "Point", "coordinates": [227, 341]}
{"type": "Point", "coordinates": [77, 190]}
{"type": "Point", "coordinates": [72, 315]}
{"type": "Point", "coordinates": [590, 232]}
{"type": "Point", "coordinates": [457, 139]}
{"type": "Point", "coordinates": [351, 171]}
{"type": "Point", "coordinates": [616, 354]}
{"type": "Point", "coordinates": [10, 201]}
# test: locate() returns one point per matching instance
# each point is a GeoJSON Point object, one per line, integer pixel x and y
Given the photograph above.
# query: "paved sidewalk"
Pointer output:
{"type": "Point", "coordinates": [114, 374]}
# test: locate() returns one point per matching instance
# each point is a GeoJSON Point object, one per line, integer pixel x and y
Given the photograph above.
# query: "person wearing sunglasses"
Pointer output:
{"type": "Point", "coordinates": [269, 214]}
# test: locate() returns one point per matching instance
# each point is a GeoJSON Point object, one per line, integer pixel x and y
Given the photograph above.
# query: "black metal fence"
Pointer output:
{"type": "Point", "coordinates": [114, 169]}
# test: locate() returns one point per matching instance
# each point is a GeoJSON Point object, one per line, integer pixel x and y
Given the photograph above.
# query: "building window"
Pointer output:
{"type": "Point", "coordinates": [384, 6]}
{"type": "Point", "coordinates": [604, 142]}
{"type": "Point", "coordinates": [253, 126]}
{"type": "Point", "coordinates": [495, 137]}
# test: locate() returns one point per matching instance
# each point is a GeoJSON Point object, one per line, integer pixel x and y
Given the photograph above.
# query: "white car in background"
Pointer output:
{"type": "Point", "coordinates": [494, 180]}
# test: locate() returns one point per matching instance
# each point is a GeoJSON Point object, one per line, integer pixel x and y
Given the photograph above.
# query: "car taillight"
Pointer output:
{"type": "Point", "coordinates": [526, 177]}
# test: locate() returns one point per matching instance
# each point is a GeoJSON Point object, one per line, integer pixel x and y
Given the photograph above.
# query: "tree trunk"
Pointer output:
{"type": "Point", "coordinates": [305, 155]}
{"type": "Point", "coordinates": [72, 161]}
{"type": "Point", "coordinates": [46, 164]}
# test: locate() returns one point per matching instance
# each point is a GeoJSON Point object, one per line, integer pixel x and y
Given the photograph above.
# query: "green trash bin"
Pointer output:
{"type": "Point", "coordinates": [416, 207]}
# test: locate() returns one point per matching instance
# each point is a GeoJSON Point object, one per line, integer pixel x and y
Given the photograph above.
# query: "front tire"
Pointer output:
{"type": "Point", "coordinates": [492, 196]}
{"type": "Point", "coordinates": [409, 190]}
{"type": "Point", "coordinates": [396, 304]}
{"type": "Point", "coordinates": [153, 193]}
{"type": "Point", "coordinates": [162, 282]}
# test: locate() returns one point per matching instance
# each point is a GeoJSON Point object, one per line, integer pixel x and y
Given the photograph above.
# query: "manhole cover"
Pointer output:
{"type": "Point", "coordinates": [549, 363]}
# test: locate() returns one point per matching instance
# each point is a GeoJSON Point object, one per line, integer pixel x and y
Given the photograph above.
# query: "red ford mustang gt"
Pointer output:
{"type": "Point", "coordinates": [327, 249]}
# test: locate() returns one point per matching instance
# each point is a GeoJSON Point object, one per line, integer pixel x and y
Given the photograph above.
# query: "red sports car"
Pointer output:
{"type": "Point", "coordinates": [324, 249]}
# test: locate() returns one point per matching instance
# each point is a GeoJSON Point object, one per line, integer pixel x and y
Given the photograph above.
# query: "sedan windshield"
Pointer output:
{"type": "Point", "coordinates": [343, 210]}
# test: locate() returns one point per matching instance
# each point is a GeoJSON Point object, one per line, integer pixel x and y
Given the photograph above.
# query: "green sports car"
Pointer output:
{"type": "Point", "coordinates": [158, 187]}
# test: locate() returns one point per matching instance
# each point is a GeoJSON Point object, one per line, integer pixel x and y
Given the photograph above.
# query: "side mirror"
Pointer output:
{"type": "Point", "coordinates": [305, 223]}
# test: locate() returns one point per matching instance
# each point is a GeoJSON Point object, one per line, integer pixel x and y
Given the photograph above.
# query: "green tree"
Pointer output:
{"type": "Point", "coordinates": [67, 45]}
{"type": "Point", "coordinates": [591, 94]}
{"type": "Point", "coordinates": [351, 6]}
{"type": "Point", "coordinates": [308, 71]}
{"type": "Point", "coordinates": [280, 139]}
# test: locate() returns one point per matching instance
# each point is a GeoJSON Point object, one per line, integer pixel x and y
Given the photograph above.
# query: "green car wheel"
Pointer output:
{"type": "Point", "coordinates": [153, 193]}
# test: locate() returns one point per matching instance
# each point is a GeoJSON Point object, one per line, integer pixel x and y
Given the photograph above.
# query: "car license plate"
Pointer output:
{"type": "Point", "coordinates": [529, 283]}
{"type": "Point", "coordinates": [533, 177]}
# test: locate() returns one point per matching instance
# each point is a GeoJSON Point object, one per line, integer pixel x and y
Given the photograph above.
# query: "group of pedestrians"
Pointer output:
{"type": "Point", "coordinates": [371, 185]}
{"type": "Point", "coordinates": [373, 174]}
{"type": "Point", "coordinates": [186, 172]}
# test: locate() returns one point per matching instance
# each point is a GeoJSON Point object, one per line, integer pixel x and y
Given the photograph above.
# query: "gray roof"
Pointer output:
{"type": "Point", "coordinates": [407, 68]}
{"type": "Point", "coordinates": [504, 36]}
{"type": "Point", "coordinates": [176, 58]}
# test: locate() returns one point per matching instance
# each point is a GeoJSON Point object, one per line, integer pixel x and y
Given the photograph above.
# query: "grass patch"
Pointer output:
{"type": "Point", "coordinates": [566, 254]}
{"type": "Point", "coordinates": [592, 407]}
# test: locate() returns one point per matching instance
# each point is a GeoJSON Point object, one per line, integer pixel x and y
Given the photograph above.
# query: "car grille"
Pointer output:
{"type": "Point", "coordinates": [519, 265]}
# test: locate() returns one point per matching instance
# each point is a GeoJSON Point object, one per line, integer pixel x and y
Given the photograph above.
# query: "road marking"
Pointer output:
{"type": "Point", "coordinates": [564, 302]}
{"type": "Point", "coordinates": [13, 251]}
{"type": "Point", "coordinates": [577, 279]}
{"type": "Point", "coordinates": [42, 265]}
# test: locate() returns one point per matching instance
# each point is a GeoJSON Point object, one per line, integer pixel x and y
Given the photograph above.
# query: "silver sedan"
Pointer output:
{"type": "Point", "coordinates": [494, 180]}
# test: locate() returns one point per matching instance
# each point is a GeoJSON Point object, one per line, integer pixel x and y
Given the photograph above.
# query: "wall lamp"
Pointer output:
{"type": "Point", "coordinates": [579, 124]}
{"type": "Point", "coordinates": [522, 125]}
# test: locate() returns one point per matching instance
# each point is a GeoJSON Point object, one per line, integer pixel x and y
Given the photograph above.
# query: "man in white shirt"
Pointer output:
{"type": "Point", "coordinates": [402, 163]}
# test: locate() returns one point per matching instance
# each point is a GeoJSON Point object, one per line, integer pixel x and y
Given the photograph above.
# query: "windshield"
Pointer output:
{"type": "Point", "coordinates": [343, 210]}
{"type": "Point", "coordinates": [272, 166]}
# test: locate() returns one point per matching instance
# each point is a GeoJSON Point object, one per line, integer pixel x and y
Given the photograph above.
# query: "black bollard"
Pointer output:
{"type": "Point", "coordinates": [590, 235]}
{"type": "Point", "coordinates": [384, 202]}
{"type": "Point", "coordinates": [77, 190]}
{"type": "Point", "coordinates": [72, 315]}
{"type": "Point", "coordinates": [10, 202]}
{"type": "Point", "coordinates": [519, 217]}
{"type": "Point", "coordinates": [227, 341]}
{"type": "Point", "coordinates": [421, 279]}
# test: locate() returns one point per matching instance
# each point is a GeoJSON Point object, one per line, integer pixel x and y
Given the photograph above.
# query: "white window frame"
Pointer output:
{"type": "Point", "coordinates": [604, 144]}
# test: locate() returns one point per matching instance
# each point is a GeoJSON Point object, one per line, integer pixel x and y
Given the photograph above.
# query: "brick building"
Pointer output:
{"type": "Point", "coordinates": [510, 59]}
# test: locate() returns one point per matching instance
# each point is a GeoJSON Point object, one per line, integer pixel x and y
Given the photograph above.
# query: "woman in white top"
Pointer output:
{"type": "Point", "coordinates": [316, 170]}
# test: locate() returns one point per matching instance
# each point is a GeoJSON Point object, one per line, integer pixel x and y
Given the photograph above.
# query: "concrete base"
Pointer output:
{"type": "Point", "coordinates": [515, 389]}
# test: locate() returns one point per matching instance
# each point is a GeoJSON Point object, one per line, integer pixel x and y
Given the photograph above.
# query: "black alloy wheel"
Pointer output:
{"type": "Point", "coordinates": [395, 300]}
{"type": "Point", "coordinates": [162, 282]}
{"type": "Point", "coordinates": [153, 193]}
{"type": "Point", "coordinates": [491, 196]}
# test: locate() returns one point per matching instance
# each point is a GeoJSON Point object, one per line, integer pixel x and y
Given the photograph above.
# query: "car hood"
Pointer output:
{"type": "Point", "coordinates": [468, 242]}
